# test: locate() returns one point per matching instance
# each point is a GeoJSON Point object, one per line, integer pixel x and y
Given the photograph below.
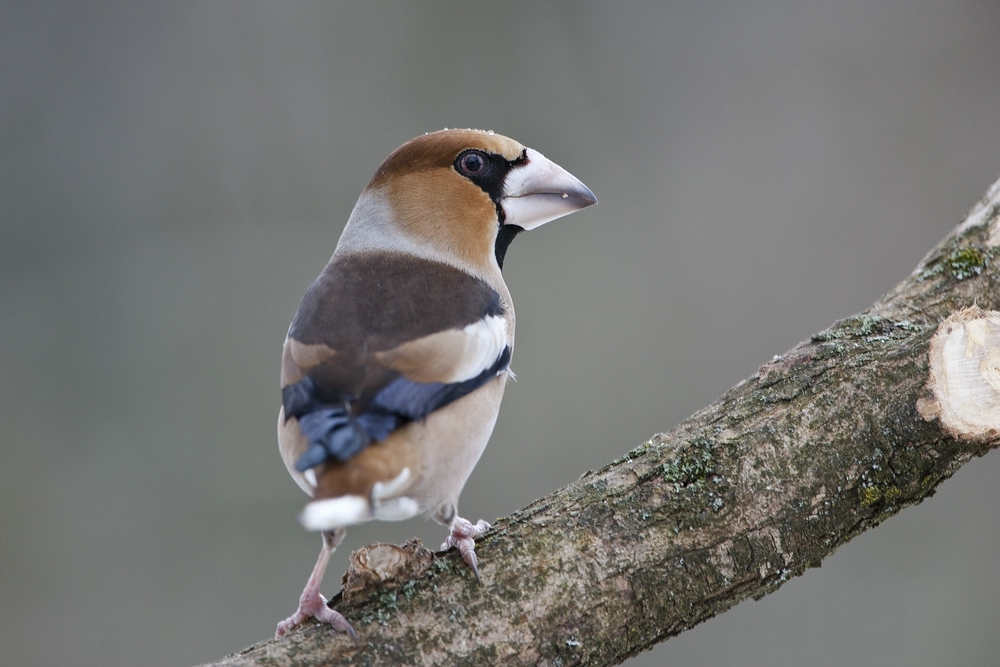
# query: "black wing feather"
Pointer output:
{"type": "Point", "coordinates": [334, 433]}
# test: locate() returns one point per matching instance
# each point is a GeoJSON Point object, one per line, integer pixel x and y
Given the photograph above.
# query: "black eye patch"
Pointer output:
{"type": "Point", "coordinates": [487, 170]}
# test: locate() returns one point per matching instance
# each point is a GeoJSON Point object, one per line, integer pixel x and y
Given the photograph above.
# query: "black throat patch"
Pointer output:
{"type": "Point", "coordinates": [505, 235]}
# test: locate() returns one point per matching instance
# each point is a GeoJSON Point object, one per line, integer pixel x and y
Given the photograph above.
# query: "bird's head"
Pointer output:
{"type": "Point", "coordinates": [467, 194]}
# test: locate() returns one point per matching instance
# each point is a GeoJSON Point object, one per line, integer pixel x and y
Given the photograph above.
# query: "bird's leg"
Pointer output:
{"type": "Point", "coordinates": [312, 604]}
{"type": "Point", "coordinates": [463, 536]}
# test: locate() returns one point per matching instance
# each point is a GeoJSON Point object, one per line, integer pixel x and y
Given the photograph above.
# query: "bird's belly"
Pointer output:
{"type": "Point", "coordinates": [452, 440]}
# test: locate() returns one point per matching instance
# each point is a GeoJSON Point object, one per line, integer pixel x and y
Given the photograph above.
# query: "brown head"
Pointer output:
{"type": "Point", "coordinates": [467, 193]}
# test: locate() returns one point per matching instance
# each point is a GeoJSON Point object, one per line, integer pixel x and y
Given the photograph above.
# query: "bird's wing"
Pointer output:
{"type": "Point", "coordinates": [382, 339]}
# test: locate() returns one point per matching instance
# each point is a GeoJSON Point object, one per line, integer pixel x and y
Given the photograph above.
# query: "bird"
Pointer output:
{"type": "Point", "coordinates": [397, 357]}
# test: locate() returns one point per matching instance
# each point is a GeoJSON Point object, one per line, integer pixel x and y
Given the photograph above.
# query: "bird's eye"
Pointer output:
{"type": "Point", "coordinates": [472, 163]}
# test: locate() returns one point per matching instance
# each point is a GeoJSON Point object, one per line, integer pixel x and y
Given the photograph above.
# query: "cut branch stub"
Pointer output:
{"type": "Point", "coordinates": [964, 380]}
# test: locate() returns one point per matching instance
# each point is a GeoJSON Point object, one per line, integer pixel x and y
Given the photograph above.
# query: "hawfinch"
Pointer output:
{"type": "Point", "coordinates": [396, 360]}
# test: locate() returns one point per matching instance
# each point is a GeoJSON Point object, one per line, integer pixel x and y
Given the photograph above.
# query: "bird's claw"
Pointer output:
{"type": "Point", "coordinates": [463, 537]}
{"type": "Point", "coordinates": [315, 606]}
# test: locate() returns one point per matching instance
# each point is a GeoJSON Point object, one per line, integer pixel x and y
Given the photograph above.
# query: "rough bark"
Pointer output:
{"type": "Point", "coordinates": [822, 443]}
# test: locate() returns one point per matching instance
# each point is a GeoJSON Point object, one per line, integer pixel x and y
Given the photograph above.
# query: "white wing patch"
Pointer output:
{"type": "Point", "coordinates": [487, 339]}
{"type": "Point", "coordinates": [449, 356]}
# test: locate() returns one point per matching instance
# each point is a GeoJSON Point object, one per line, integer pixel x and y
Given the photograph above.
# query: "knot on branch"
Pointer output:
{"type": "Point", "coordinates": [382, 565]}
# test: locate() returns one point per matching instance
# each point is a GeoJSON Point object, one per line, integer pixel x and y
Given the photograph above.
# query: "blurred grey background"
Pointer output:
{"type": "Point", "coordinates": [174, 174]}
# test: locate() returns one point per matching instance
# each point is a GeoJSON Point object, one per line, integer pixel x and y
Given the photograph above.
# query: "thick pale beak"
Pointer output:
{"type": "Point", "coordinates": [540, 191]}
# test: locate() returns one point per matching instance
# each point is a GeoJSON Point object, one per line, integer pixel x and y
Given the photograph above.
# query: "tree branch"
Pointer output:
{"type": "Point", "coordinates": [822, 443]}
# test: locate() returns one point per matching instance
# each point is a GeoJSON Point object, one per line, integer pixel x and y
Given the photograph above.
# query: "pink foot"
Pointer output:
{"type": "Point", "coordinates": [311, 603]}
{"type": "Point", "coordinates": [463, 536]}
